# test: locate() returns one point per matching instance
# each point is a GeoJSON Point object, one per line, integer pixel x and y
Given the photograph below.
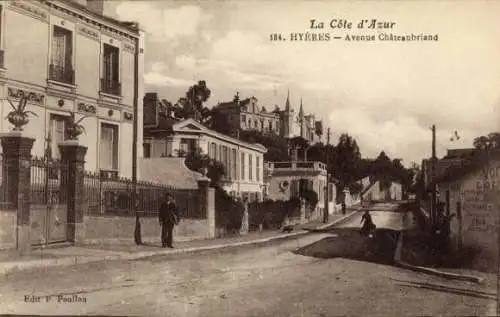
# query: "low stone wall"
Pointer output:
{"type": "Point", "coordinates": [8, 224]}
{"type": "Point", "coordinates": [120, 229]}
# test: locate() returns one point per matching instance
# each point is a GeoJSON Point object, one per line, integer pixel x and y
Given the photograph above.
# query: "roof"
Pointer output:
{"type": "Point", "coordinates": [170, 171]}
{"type": "Point", "coordinates": [458, 168]}
{"type": "Point", "coordinates": [132, 27]}
{"type": "Point", "coordinates": [191, 126]}
{"type": "Point", "coordinates": [165, 125]}
{"type": "Point", "coordinates": [459, 153]}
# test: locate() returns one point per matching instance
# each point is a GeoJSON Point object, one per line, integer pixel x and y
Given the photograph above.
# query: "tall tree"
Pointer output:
{"type": "Point", "coordinates": [345, 160]}
{"type": "Point", "coordinates": [192, 102]}
{"type": "Point", "coordinates": [488, 142]}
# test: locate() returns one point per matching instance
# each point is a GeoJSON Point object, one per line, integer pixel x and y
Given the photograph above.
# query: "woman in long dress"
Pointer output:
{"type": "Point", "coordinates": [244, 220]}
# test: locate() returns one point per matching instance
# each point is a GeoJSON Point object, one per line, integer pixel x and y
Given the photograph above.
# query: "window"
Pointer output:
{"type": "Point", "coordinates": [270, 126]}
{"type": "Point", "coordinates": [242, 166]}
{"type": "Point", "coordinates": [60, 68]}
{"type": "Point", "coordinates": [294, 188]}
{"type": "Point", "coordinates": [219, 158]}
{"type": "Point", "coordinates": [330, 192]}
{"type": "Point", "coordinates": [233, 164]}
{"type": "Point", "coordinates": [214, 151]}
{"type": "Point", "coordinates": [147, 150]}
{"type": "Point", "coordinates": [56, 135]}
{"type": "Point", "coordinates": [250, 170]}
{"type": "Point", "coordinates": [109, 147]}
{"type": "Point", "coordinates": [257, 169]}
{"type": "Point", "coordinates": [110, 83]}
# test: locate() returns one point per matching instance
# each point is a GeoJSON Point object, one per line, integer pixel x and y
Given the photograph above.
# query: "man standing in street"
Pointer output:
{"type": "Point", "coordinates": [169, 217]}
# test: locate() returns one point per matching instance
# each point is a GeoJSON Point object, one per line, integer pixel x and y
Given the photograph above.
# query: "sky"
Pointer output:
{"type": "Point", "coordinates": [385, 94]}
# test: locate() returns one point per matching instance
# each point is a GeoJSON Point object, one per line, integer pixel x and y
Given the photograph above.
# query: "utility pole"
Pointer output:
{"type": "Point", "coordinates": [433, 176]}
{"type": "Point", "coordinates": [327, 200]}
{"type": "Point", "coordinates": [137, 231]}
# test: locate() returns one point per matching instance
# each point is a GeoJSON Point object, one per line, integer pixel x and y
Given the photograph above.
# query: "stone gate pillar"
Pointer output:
{"type": "Point", "coordinates": [207, 205]}
{"type": "Point", "coordinates": [16, 182]}
{"type": "Point", "coordinates": [73, 163]}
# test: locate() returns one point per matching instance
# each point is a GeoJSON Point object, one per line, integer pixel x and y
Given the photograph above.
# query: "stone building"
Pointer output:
{"type": "Point", "coordinates": [70, 58]}
{"type": "Point", "coordinates": [248, 114]}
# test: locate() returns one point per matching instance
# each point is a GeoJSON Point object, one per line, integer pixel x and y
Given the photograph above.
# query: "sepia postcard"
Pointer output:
{"type": "Point", "coordinates": [249, 158]}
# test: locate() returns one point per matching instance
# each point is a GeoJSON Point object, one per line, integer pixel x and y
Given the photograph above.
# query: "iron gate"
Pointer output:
{"type": "Point", "coordinates": [48, 205]}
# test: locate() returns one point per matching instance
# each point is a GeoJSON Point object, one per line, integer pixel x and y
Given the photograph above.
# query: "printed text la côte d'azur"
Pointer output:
{"type": "Point", "coordinates": [346, 24]}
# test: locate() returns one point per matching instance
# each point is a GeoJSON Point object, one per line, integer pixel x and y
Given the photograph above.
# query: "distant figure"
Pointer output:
{"type": "Point", "coordinates": [168, 217]}
{"type": "Point", "coordinates": [368, 225]}
{"type": "Point", "coordinates": [244, 220]}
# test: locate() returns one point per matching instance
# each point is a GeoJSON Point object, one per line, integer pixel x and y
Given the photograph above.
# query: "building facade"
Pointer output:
{"type": "Point", "coordinates": [285, 180]}
{"type": "Point", "coordinates": [471, 194]}
{"type": "Point", "coordinates": [243, 162]}
{"type": "Point", "coordinates": [247, 114]}
{"type": "Point", "coordinates": [69, 58]}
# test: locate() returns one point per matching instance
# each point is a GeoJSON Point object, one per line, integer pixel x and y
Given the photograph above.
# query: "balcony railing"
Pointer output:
{"type": "Point", "coordinates": [61, 74]}
{"type": "Point", "coordinates": [299, 165]}
{"type": "Point", "coordinates": [112, 87]}
{"type": "Point", "coordinates": [2, 65]}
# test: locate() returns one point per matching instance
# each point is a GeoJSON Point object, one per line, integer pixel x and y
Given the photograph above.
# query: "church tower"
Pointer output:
{"type": "Point", "coordinates": [287, 118]}
{"type": "Point", "coordinates": [302, 121]}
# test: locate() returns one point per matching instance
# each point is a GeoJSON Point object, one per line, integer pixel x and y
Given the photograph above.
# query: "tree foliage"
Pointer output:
{"type": "Point", "coordinates": [202, 163]}
{"type": "Point", "coordinates": [487, 142]}
{"type": "Point", "coordinates": [277, 147]}
{"type": "Point", "coordinates": [190, 105]}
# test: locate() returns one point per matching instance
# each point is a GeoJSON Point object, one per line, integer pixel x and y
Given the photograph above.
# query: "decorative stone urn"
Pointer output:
{"type": "Point", "coordinates": [74, 128]}
{"type": "Point", "coordinates": [18, 117]}
{"type": "Point", "coordinates": [18, 120]}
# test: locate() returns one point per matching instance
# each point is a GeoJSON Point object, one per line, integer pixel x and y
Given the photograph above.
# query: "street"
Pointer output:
{"type": "Point", "coordinates": [321, 274]}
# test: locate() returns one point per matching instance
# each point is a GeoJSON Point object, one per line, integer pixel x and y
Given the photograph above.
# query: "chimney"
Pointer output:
{"type": "Point", "coordinates": [96, 6]}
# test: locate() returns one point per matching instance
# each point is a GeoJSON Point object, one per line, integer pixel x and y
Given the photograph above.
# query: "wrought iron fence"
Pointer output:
{"type": "Point", "coordinates": [48, 182]}
{"type": "Point", "coordinates": [104, 196]}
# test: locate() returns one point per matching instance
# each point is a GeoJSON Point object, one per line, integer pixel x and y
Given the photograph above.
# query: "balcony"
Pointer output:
{"type": "Point", "coordinates": [296, 166]}
{"type": "Point", "coordinates": [112, 87]}
{"type": "Point", "coordinates": [62, 74]}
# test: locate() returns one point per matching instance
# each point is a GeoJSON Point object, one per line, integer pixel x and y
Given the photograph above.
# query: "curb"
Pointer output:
{"type": "Point", "coordinates": [326, 226]}
{"type": "Point", "coordinates": [6, 268]}
{"type": "Point", "coordinates": [431, 271]}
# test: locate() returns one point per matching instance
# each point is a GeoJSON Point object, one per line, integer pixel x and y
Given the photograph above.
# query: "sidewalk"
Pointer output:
{"type": "Point", "coordinates": [72, 255]}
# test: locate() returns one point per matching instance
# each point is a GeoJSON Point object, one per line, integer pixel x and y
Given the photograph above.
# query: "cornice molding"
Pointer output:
{"type": "Point", "coordinates": [89, 32]}
{"type": "Point", "coordinates": [100, 23]}
{"type": "Point", "coordinates": [26, 8]}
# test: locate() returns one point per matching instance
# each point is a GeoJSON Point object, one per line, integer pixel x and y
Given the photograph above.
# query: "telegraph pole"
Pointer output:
{"type": "Point", "coordinates": [433, 176]}
{"type": "Point", "coordinates": [325, 214]}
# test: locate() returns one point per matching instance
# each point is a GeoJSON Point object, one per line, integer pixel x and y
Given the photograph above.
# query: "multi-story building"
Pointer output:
{"type": "Point", "coordinates": [70, 58]}
{"type": "Point", "coordinates": [247, 114]}
{"type": "Point", "coordinates": [169, 137]}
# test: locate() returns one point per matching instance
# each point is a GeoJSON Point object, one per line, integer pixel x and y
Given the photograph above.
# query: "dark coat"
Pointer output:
{"type": "Point", "coordinates": [168, 213]}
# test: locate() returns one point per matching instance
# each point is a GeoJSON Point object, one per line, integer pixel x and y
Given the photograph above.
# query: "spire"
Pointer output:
{"type": "Point", "coordinates": [301, 110]}
{"type": "Point", "coordinates": [287, 104]}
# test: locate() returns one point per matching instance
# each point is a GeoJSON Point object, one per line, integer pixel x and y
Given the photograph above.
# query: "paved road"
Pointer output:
{"type": "Point", "coordinates": [267, 281]}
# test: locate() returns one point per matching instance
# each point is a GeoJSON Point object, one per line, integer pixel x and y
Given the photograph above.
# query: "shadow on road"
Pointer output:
{"type": "Point", "coordinates": [348, 243]}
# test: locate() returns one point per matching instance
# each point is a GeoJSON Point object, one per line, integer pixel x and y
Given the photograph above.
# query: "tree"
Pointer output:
{"type": "Point", "coordinates": [488, 142]}
{"type": "Point", "coordinates": [191, 105]}
{"type": "Point", "coordinates": [277, 147]}
{"type": "Point", "coordinates": [345, 160]}
{"type": "Point", "coordinates": [198, 162]}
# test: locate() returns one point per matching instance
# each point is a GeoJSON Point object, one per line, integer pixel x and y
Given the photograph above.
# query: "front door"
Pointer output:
{"type": "Point", "coordinates": [48, 208]}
